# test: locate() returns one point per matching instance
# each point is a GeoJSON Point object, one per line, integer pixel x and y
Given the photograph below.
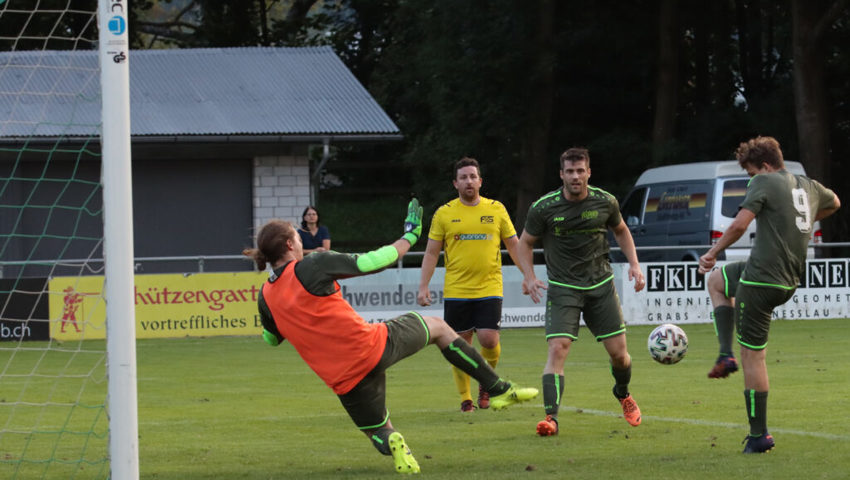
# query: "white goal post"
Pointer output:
{"type": "Point", "coordinates": [122, 397]}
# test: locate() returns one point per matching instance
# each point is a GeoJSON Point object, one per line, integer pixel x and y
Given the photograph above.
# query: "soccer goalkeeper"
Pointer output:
{"type": "Point", "coordinates": [302, 303]}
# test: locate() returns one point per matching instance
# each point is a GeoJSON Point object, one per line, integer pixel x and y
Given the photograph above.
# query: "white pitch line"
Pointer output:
{"type": "Point", "coordinates": [709, 423]}
{"type": "Point", "coordinates": [605, 413]}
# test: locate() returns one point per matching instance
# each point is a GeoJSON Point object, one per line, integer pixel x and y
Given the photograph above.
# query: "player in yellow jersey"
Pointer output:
{"type": "Point", "coordinates": [471, 228]}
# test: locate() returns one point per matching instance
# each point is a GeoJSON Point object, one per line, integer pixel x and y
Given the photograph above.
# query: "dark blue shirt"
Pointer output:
{"type": "Point", "coordinates": [312, 242]}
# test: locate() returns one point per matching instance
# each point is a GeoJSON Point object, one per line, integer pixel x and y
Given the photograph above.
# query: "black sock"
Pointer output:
{"type": "Point", "coordinates": [553, 388]}
{"type": "Point", "coordinates": [756, 412]}
{"type": "Point", "coordinates": [621, 381]}
{"type": "Point", "coordinates": [724, 327]}
{"type": "Point", "coordinates": [463, 356]}
{"type": "Point", "coordinates": [380, 439]}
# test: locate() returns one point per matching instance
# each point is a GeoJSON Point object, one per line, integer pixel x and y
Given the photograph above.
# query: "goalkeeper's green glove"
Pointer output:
{"type": "Point", "coordinates": [413, 222]}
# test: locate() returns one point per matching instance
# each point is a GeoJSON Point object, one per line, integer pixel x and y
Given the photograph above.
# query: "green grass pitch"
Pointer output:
{"type": "Point", "coordinates": [216, 408]}
{"type": "Point", "coordinates": [235, 408]}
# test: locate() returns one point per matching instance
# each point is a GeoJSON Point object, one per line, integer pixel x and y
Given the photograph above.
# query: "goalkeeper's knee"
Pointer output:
{"type": "Point", "coordinates": [380, 439]}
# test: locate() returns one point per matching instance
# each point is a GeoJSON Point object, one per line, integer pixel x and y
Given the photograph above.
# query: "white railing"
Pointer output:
{"type": "Point", "coordinates": [95, 265]}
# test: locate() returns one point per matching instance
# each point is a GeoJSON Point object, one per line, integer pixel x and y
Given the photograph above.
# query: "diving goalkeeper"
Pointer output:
{"type": "Point", "coordinates": [302, 303]}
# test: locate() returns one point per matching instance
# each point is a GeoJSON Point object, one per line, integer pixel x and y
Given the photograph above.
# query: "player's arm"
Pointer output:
{"type": "Point", "coordinates": [271, 335]}
{"type": "Point", "coordinates": [385, 256]}
{"type": "Point", "coordinates": [429, 264]}
{"type": "Point", "coordinates": [531, 285]}
{"type": "Point", "coordinates": [512, 246]}
{"type": "Point", "coordinates": [825, 212]}
{"type": "Point", "coordinates": [320, 270]}
{"type": "Point", "coordinates": [627, 246]}
{"type": "Point", "coordinates": [731, 235]}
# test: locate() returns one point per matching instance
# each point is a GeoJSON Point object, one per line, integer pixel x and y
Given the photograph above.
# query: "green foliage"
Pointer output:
{"type": "Point", "coordinates": [47, 25]}
{"type": "Point", "coordinates": [227, 23]}
{"type": "Point", "coordinates": [362, 223]}
{"type": "Point", "coordinates": [236, 408]}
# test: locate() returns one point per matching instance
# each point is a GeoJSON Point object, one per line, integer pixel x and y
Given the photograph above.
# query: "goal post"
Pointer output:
{"type": "Point", "coordinates": [68, 382]}
{"type": "Point", "coordinates": [122, 397]}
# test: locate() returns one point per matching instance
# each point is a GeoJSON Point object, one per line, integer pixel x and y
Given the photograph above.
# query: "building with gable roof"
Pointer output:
{"type": "Point", "coordinates": [221, 142]}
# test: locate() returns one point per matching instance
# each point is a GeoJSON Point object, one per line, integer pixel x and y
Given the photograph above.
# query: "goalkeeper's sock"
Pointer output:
{"type": "Point", "coordinates": [462, 382]}
{"type": "Point", "coordinates": [724, 327]}
{"type": "Point", "coordinates": [621, 381]}
{"type": "Point", "coordinates": [553, 388]}
{"type": "Point", "coordinates": [492, 354]}
{"type": "Point", "coordinates": [756, 412]}
{"type": "Point", "coordinates": [463, 356]}
{"type": "Point", "coordinates": [380, 439]}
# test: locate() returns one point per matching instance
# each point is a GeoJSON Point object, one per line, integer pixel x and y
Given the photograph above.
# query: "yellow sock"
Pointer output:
{"type": "Point", "coordinates": [492, 354]}
{"type": "Point", "coordinates": [462, 382]}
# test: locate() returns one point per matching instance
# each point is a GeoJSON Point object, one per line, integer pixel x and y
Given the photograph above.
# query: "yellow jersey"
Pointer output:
{"type": "Point", "coordinates": [472, 238]}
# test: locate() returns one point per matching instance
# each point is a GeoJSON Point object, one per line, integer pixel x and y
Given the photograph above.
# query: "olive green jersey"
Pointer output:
{"type": "Point", "coordinates": [785, 206]}
{"type": "Point", "coordinates": [574, 235]}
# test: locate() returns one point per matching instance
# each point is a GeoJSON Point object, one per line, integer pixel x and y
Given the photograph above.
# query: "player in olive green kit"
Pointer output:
{"type": "Point", "coordinates": [573, 222]}
{"type": "Point", "coordinates": [784, 207]}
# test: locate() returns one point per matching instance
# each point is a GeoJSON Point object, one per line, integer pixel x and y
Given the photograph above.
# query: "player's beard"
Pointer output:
{"type": "Point", "coordinates": [575, 189]}
{"type": "Point", "coordinates": [468, 195]}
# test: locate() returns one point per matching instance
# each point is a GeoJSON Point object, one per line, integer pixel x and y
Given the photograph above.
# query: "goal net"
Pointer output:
{"type": "Point", "coordinates": [56, 368]}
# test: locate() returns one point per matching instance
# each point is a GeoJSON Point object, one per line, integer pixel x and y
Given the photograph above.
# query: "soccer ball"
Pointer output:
{"type": "Point", "coordinates": [667, 344]}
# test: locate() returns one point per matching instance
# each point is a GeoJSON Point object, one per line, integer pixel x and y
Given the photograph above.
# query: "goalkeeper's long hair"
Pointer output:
{"type": "Point", "coordinates": [271, 243]}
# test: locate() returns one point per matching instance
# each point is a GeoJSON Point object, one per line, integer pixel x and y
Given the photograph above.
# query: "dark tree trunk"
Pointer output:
{"type": "Point", "coordinates": [667, 79]}
{"type": "Point", "coordinates": [811, 19]}
{"type": "Point", "coordinates": [535, 149]}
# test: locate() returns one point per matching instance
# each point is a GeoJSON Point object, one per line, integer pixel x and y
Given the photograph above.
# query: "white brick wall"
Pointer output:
{"type": "Point", "coordinates": [281, 188]}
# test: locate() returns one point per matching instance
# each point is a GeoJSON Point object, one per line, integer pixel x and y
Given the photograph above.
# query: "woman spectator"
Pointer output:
{"type": "Point", "coordinates": [314, 237]}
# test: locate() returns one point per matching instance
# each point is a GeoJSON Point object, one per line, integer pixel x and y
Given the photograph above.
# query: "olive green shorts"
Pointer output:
{"type": "Point", "coordinates": [600, 306]}
{"type": "Point", "coordinates": [753, 305]}
{"type": "Point", "coordinates": [732, 277]}
{"type": "Point", "coordinates": [366, 402]}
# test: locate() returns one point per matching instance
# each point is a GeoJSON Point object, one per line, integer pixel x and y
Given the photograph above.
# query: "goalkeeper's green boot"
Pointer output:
{"type": "Point", "coordinates": [514, 394]}
{"type": "Point", "coordinates": [404, 461]}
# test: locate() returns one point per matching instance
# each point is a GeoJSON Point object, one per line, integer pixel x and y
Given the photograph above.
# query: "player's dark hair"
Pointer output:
{"type": "Point", "coordinates": [304, 222]}
{"type": "Point", "coordinates": [575, 154]}
{"type": "Point", "coordinates": [271, 243]}
{"type": "Point", "coordinates": [759, 150]}
{"type": "Point", "coordinates": [467, 162]}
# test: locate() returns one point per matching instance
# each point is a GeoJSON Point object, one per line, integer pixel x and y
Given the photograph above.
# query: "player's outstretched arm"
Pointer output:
{"type": "Point", "coordinates": [429, 264]}
{"type": "Point", "coordinates": [387, 255]}
{"type": "Point", "coordinates": [531, 285]}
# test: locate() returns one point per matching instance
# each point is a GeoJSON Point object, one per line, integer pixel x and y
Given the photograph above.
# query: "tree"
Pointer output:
{"type": "Point", "coordinates": [48, 25]}
{"type": "Point", "coordinates": [515, 83]}
{"type": "Point", "coordinates": [667, 80]}
{"type": "Point", "coordinates": [219, 23]}
{"type": "Point", "coordinates": [538, 131]}
{"type": "Point", "coordinates": [812, 19]}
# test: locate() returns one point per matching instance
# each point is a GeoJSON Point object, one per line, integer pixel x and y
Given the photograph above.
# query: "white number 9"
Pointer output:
{"type": "Point", "coordinates": [801, 204]}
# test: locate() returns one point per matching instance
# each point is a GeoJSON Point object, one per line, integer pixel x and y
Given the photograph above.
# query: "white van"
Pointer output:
{"type": "Point", "coordinates": [686, 208]}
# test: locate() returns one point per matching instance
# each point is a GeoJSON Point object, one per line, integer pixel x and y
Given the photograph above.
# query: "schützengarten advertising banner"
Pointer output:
{"type": "Point", "coordinates": [173, 305]}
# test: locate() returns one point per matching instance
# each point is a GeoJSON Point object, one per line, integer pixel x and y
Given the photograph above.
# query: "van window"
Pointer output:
{"type": "Point", "coordinates": [733, 194]}
{"type": "Point", "coordinates": [677, 201]}
{"type": "Point", "coordinates": [632, 206]}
